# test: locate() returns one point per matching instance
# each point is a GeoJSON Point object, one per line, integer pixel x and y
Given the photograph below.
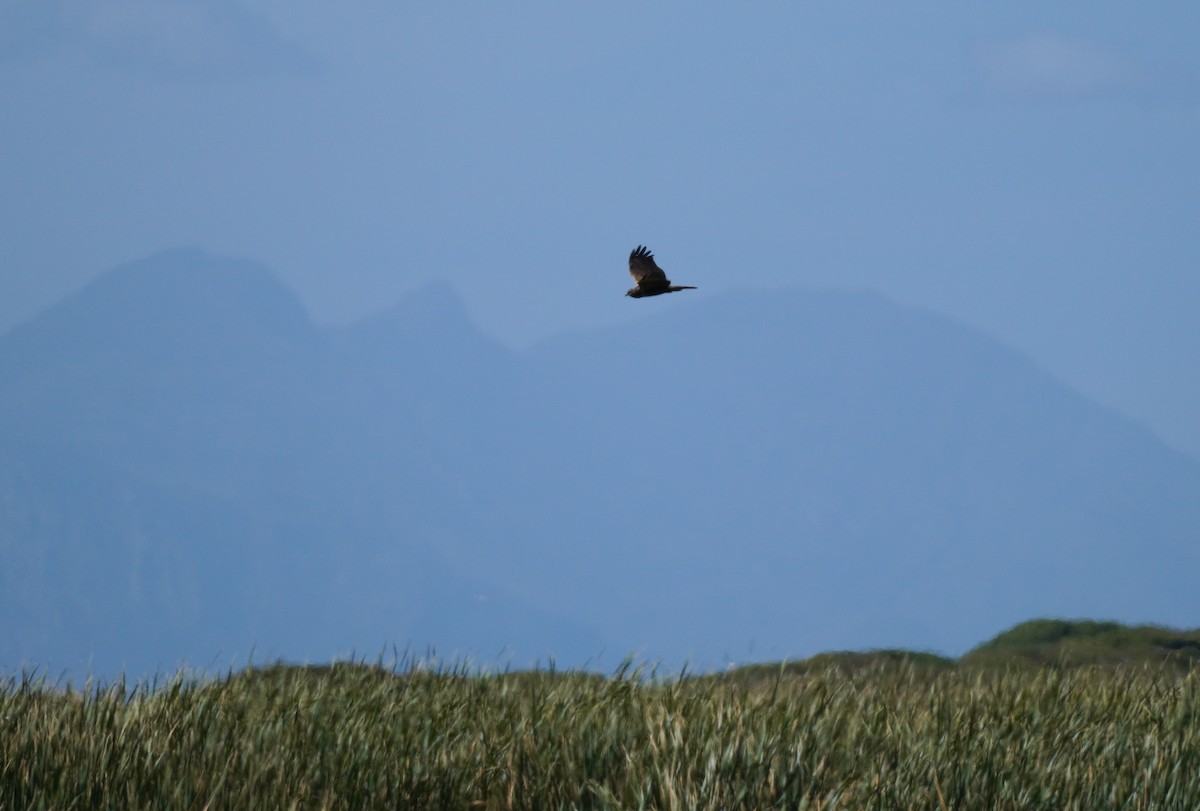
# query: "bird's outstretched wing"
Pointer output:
{"type": "Point", "coordinates": [644, 270]}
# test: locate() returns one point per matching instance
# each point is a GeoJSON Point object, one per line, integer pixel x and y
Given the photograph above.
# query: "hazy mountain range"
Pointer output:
{"type": "Point", "coordinates": [191, 469]}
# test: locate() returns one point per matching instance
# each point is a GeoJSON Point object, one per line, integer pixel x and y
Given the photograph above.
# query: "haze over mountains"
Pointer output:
{"type": "Point", "coordinates": [192, 470]}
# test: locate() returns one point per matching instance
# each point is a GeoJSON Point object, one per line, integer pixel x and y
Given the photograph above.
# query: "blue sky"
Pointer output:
{"type": "Point", "coordinates": [1030, 169]}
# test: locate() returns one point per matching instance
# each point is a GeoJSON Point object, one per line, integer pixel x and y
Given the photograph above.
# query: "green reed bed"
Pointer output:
{"type": "Point", "coordinates": [362, 737]}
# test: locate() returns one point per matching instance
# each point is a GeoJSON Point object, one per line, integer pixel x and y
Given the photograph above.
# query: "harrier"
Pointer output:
{"type": "Point", "coordinates": [651, 281]}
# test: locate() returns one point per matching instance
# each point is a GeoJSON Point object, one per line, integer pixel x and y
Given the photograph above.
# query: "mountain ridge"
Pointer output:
{"type": "Point", "coordinates": [690, 485]}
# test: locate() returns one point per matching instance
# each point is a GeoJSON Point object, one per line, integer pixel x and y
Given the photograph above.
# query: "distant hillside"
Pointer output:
{"type": "Point", "coordinates": [1084, 642]}
{"type": "Point", "coordinates": [190, 469]}
{"type": "Point", "coordinates": [1040, 643]}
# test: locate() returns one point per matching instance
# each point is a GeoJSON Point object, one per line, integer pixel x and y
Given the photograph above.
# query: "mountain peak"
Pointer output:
{"type": "Point", "coordinates": [180, 300]}
{"type": "Point", "coordinates": [433, 311]}
{"type": "Point", "coordinates": [191, 279]}
{"type": "Point", "coordinates": [432, 305]}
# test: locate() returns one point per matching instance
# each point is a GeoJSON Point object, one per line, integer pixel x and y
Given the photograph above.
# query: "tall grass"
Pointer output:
{"type": "Point", "coordinates": [359, 737]}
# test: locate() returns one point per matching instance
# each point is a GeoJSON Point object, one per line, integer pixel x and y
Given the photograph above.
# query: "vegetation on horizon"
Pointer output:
{"type": "Point", "coordinates": [902, 731]}
{"type": "Point", "coordinates": [1050, 642]}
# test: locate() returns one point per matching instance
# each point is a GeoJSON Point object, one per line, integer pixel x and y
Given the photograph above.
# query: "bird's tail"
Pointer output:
{"type": "Point", "coordinates": [675, 287]}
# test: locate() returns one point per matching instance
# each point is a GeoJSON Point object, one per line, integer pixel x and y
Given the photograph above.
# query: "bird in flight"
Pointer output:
{"type": "Point", "coordinates": [651, 281]}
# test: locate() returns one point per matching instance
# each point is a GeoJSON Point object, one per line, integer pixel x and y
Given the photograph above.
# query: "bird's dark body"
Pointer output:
{"type": "Point", "coordinates": [641, 292]}
{"type": "Point", "coordinates": [650, 278]}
